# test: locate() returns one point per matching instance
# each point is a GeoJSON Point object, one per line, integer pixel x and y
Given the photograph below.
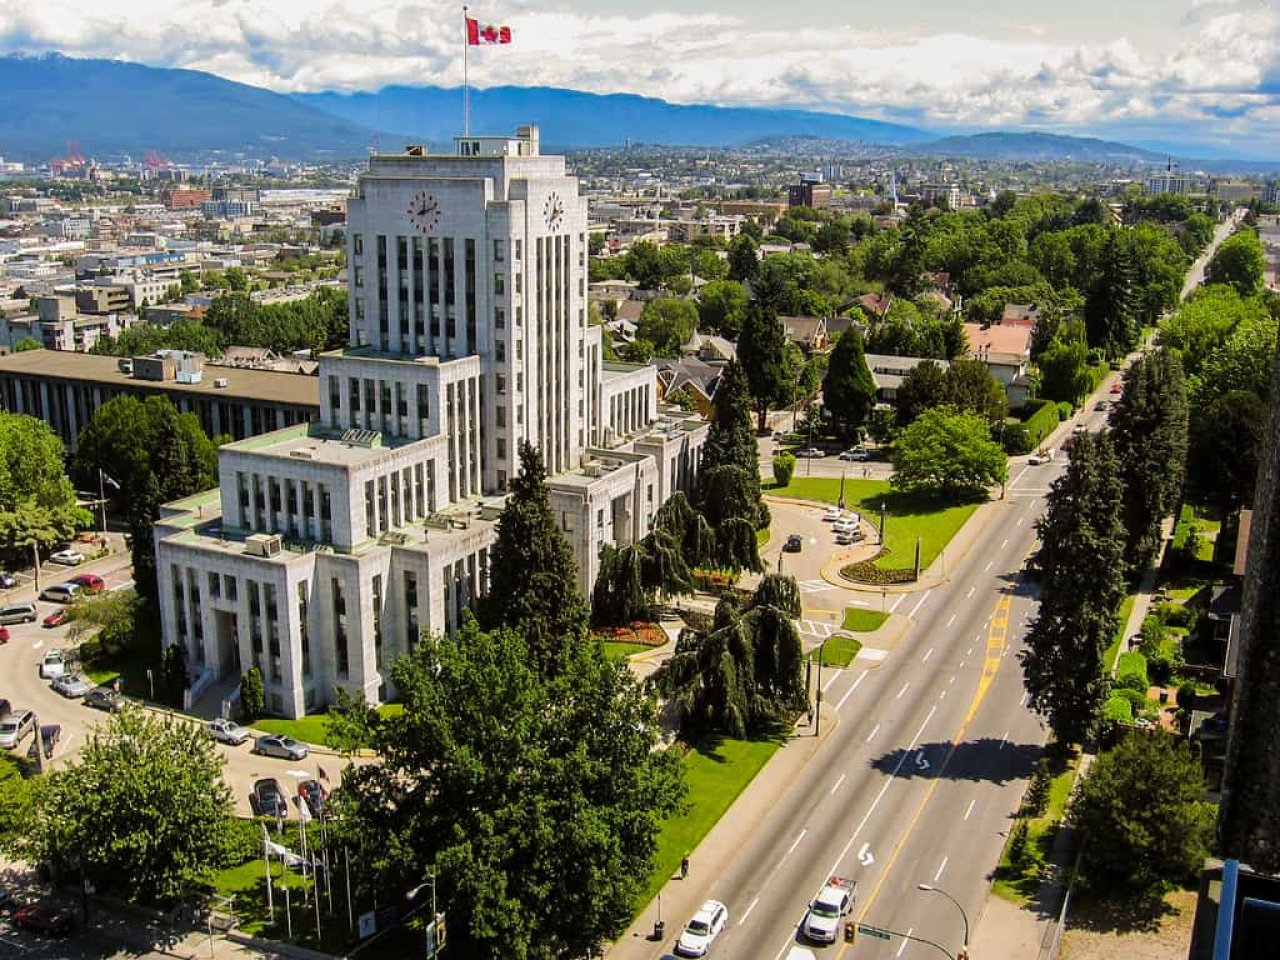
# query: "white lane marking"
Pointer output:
{"type": "Point", "coordinates": [988, 566]}
{"type": "Point", "coordinates": [969, 652]}
{"type": "Point", "coordinates": [971, 592]}
{"type": "Point", "coordinates": [916, 608]}
{"type": "Point", "coordinates": [970, 810]}
{"type": "Point", "coordinates": [953, 679]}
{"type": "Point", "coordinates": [962, 663]}
{"type": "Point", "coordinates": [848, 693]}
{"type": "Point", "coordinates": [837, 786]}
{"type": "Point", "coordinates": [796, 842]}
{"type": "Point", "coordinates": [927, 654]}
{"type": "Point", "coordinates": [942, 695]}
{"type": "Point", "coordinates": [835, 676]}
{"type": "Point", "coordinates": [1004, 543]}
{"type": "Point", "coordinates": [1004, 738]}
{"type": "Point", "coordinates": [860, 603]}
{"type": "Point", "coordinates": [880, 796]}
{"type": "Point", "coordinates": [747, 913]}
{"type": "Point", "coordinates": [905, 941]}
{"type": "Point", "coordinates": [874, 731]}
{"type": "Point", "coordinates": [903, 690]}
{"type": "Point", "coordinates": [1022, 701]}
{"type": "Point", "coordinates": [1018, 522]}
{"type": "Point", "coordinates": [893, 607]}
{"type": "Point", "coordinates": [1021, 474]}
{"type": "Point", "coordinates": [942, 866]}
{"type": "Point", "coordinates": [952, 620]}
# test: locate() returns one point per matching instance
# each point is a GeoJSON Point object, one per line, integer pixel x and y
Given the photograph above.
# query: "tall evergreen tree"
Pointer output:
{"type": "Point", "coordinates": [743, 261]}
{"type": "Point", "coordinates": [1149, 428]}
{"type": "Point", "coordinates": [1080, 563]}
{"type": "Point", "coordinates": [1111, 305]}
{"type": "Point", "coordinates": [533, 578]}
{"type": "Point", "coordinates": [762, 351]}
{"type": "Point", "coordinates": [848, 389]}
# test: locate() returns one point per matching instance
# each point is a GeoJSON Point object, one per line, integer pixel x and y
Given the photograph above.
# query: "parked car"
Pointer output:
{"type": "Point", "coordinates": [847, 524]}
{"type": "Point", "coordinates": [227, 731]}
{"type": "Point", "coordinates": [1117, 388]}
{"type": "Point", "coordinates": [314, 795]}
{"type": "Point", "coordinates": [46, 919]}
{"type": "Point", "coordinates": [60, 592]}
{"type": "Point", "coordinates": [794, 544]}
{"type": "Point", "coordinates": [846, 537]}
{"type": "Point", "coordinates": [812, 453]}
{"type": "Point", "coordinates": [105, 698]}
{"type": "Point", "coordinates": [18, 613]}
{"type": "Point", "coordinates": [56, 619]}
{"type": "Point", "coordinates": [7, 580]}
{"type": "Point", "coordinates": [4, 634]}
{"type": "Point", "coordinates": [267, 799]}
{"type": "Point", "coordinates": [1080, 428]}
{"type": "Point", "coordinates": [68, 557]}
{"type": "Point", "coordinates": [1042, 457]}
{"type": "Point", "coordinates": [855, 453]}
{"type": "Point", "coordinates": [71, 685]}
{"type": "Point", "coordinates": [16, 727]}
{"type": "Point", "coordinates": [700, 932]}
{"type": "Point", "coordinates": [89, 581]}
{"type": "Point", "coordinates": [1102, 405]}
{"type": "Point", "coordinates": [280, 746]}
{"type": "Point", "coordinates": [832, 514]}
{"type": "Point", "coordinates": [53, 665]}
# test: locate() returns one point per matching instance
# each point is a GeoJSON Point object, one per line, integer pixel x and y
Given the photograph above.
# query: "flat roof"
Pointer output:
{"type": "Point", "coordinates": [314, 443]}
{"type": "Point", "coordinates": [292, 389]}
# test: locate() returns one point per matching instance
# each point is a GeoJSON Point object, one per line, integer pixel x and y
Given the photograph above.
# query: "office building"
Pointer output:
{"type": "Point", "coordinates": [331, 547]}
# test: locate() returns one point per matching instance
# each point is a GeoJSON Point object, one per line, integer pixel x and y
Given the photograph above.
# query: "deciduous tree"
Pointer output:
{"type": "Point", "coordinates": [1240, 262]}
{"type": "Point", "coordinates": [949, 453]}
{"type": "Point", "coordinates": [37, 502]}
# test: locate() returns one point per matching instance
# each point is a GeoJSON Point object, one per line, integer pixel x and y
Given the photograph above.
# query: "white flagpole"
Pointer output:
{"type": "Point", "coordinates": [466, 85]}
{"type": "Point", "coordinates": [315, 892]}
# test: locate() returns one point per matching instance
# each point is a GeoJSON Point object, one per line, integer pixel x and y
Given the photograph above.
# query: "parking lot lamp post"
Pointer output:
{"type": "Point", "coordinates": [930, 888]}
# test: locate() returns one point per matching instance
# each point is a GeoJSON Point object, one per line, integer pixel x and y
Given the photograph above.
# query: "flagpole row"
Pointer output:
{"type": "Point", "coordinates": [466, 85]}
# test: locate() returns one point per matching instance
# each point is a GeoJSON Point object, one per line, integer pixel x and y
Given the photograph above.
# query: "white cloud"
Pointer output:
{"type": "Point", "coordinates": [1218, 56]}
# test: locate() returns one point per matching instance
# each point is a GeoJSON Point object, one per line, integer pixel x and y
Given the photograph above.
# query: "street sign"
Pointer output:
{"type": "Point", "coordinates": [868, 931]}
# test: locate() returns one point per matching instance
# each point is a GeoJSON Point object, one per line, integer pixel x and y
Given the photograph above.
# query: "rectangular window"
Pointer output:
{"type": "Point", "coordinates": [499, 318]}
{"type": "Point", "coordinates": [411, 608]}
{"type": "Point", "coordinates": [499, 251]}
{"type": "Point", "coordinates": [502, 448]}
{"type": "Point", "coordinates": [303, 632]}
{"type": "Point", "coordinates": [335, 395]}
{"type": "Point", "coordinates": [357, 244]}
{"type": "Point", "coordinates": [499, 384]}
{"type": "Point", "coordinates": [500, 351]}
{"type": "Point", "coordinates": [499, 284]}
{"type": "Point", "coordinates": [500, 416]}
{"type": "Point", "coordinates": [519, 249]}
{"type": "Point", "coordinates": [377, 619]}
{"type": "Point", "coordinates": [340, 627]}
{"type": "Point", "coordinates": [215, 586]}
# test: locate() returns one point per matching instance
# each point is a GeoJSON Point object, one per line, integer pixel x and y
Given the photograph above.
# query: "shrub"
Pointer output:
{"type": "Point", "coordinates": [1154, 635]}
{"type": "Point", "coordinates": [1160, 669]}
{"type": "Point", "coordinates": [1117, 710]}
{"type": "Point", "coordinates": [1018, 847]}
{"type": "Point", "coordinates": [1065, 410]}
{"type": "Point", "coordinates": [1137, 701]}
{"type": "Point", "coordinates": [1132, 663]}
{"type": "Point", "coordinates": [1175, 614]}
{"type": "Point", "coordinates": [252, 696]}
{"type": "Point", "coordinates": [1036, 800]}
{"type": "Point", "coordinates": [1040, 418]}
{"type": "Point", "coordinates": [1187, 697]}
{"type": "Point", "coordinates": [1133, 681]}
{"type": "Point", "coordinates": [784, 468]}
{"type": "Point", "coordinates": [1017, 439]}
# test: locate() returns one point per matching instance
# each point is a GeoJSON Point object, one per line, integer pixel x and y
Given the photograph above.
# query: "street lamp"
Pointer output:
{"type": "Point", "coordinates": [931, 888]}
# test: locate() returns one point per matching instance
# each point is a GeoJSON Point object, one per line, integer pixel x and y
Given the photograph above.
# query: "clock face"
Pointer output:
{"type": "Point", "coordinates": [424, 211]}
{"type": "Point", "coordinates": [553, 212]}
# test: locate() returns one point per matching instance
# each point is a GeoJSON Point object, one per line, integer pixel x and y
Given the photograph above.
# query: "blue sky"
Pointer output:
{"type": "Point", "coordinates": [1198, 71]}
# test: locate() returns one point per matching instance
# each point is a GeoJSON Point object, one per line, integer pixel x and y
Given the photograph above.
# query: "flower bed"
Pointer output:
{"type": "Point", "coordinates": [712, 581]}
{"type": "Point", "coordinates": [866, 571]}
{"type": "Point", "coordinates": [646, 634]}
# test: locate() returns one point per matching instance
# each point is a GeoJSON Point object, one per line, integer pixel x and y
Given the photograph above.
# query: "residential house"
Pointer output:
{"type": "Point", "coordinates": [807, 333]}
{"type": "Point", "coordinates": [1006, 350]}
{"type": "Point", "coordinates": [888, 371]}
{"type": "Point", "coordinates": [692, 376]}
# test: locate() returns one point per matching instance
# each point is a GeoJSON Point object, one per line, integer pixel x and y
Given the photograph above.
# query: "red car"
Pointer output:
{"type": "Point", "coordinates": [51, 921]}
{"type": "Point", "coordinates": [56, 619]}
{"type": "Point", "coordinates": [89, 581]}
{"type": "Point", "coordinates": [4, 634]}
{"type": "Point", "coordinates": [1117, 388]}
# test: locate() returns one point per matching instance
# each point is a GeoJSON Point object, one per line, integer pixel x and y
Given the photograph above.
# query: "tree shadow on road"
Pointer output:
{"type": "Point", "coordinates": [985, 759]}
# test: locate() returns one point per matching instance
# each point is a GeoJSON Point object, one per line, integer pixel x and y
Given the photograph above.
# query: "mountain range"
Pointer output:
{"type": "Point", "coordinates": [111, 107]}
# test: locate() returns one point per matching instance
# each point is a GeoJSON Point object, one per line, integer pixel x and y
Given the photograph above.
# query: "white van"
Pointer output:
{"type": "Point", "coordinates": [60, 592]}
{"type": "Point", "coordinates": [18, 613]}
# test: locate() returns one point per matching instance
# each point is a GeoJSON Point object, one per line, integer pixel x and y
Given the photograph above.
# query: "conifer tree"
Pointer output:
{"type": "Point", "coordinates": [1080, 564]}
{"type": "Point", "coordinates": [533, 578]}
{"type": "Point", "coordinates": [763, 353]}
{"type": "Point", "coordinates": [1111, 306]}
{"type": "Point", "coordinates": [848, 389]}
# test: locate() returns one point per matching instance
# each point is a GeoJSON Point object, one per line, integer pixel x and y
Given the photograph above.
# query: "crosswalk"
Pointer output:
{"type": "Point", "coordinates": [814, 586]}
{"type": "Point", "coordinates": [815, 628]}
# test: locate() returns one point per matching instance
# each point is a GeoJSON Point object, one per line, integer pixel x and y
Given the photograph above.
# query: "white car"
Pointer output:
{"type": "Point", "coordinates": [855, 453]}
{"type": "Point", "coordinates": [53, 665]}
{"type": "Point", "coordinates": [68, 558]}
{"type": "Point", "coordinates": [1044, 456]}
{"type": "Point", "coordinates": [227, 731]}
{"type": "Point", "coordinates": [846, 524]}
{"type": "Point", "coordinates": [812, 453]}
{"type": "Point", "coordinates": [834, 900]}
{"type": "Point", "coordinates": [707, 924]}
{"type": "Point", "coordinates": [832, 515]}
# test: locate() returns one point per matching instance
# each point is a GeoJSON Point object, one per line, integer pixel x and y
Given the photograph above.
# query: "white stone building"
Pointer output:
{"type": "Point", "coordinates": [330, 547]}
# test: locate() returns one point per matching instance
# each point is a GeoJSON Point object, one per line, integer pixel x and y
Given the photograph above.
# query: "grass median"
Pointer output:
{"type": "Point", "coordinates": [313, 727]}
{"type": "Point", "coordinates": [908, 517]}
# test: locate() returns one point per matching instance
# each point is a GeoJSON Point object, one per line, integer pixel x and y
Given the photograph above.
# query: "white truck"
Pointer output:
{"type": "Point", "coordinates": [833, 902]}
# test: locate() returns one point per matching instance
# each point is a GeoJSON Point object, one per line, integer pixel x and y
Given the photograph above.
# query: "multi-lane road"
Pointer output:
{"type": "Point", "coordinates": [928, 758]}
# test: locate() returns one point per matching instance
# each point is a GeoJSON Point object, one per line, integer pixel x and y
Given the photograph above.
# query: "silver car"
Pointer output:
{"type": "Point", "coordinates": [71, 686]}
{"type": "Point", "coordinates": [16, 727]}
{"type": "Point", "coordinates": [227, 731]}
{"type": "Point", "coordinates": [275, 745]}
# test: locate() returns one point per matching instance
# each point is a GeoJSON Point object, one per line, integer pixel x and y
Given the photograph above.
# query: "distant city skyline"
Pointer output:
{"type": "Point", "coordinates": [1194, 71]}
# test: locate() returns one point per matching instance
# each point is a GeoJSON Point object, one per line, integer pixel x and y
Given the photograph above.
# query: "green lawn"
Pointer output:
{"type": "Point", "coordinates": [863, 621]}
{"type": "Point", "coordinates": [908, 516]}
{"type": "Point", "coordinates": [1040, 836]}
{"type": "Point", "coordinates": [839, 651]}
{"type": "Point", "coordinates": [1113, 651]}
{"type": "Point", "coordinates": [621, 649]}
{"type": "Point", "coordinates": [716, 771]}
{"type": "Point", "coordinates": [312, 727]}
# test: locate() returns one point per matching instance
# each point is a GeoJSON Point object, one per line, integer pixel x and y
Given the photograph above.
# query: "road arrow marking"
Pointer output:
{"type": "Point", "coordinates": [865, 856]}
{"type": "Point", "coordinates": [921, 762]}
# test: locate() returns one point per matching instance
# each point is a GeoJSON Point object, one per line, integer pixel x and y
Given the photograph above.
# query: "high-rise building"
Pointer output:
{"type": "Point", "coordinates": [1249, 814]}
{"type": "Point", "coordinates": [330, 547]}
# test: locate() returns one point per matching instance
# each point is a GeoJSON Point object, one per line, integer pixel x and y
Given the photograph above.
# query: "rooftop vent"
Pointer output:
{"type": "Point", "coordinates": [305, 453]}
{"type": "Point", "coordinates": [221, 383]}
{"type": "Point", "coordinates": [262, 544]}
{"type": "Point", "coordinates": [362, 438]}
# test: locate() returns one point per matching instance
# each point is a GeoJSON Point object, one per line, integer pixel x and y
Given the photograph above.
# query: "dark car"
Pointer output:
{"type": "Point", "coordinates": [49, 920]}
{"type": "Point", "coordinates": [105, 698]}
{"type": "Point", "coordinates": [794, 543]}
{"type": "Point", "coordinates": [268, 799]}
{"type": "Point", "coordinates": [7, 580]}
{"type": "Point", "coordinates": [314, 795]}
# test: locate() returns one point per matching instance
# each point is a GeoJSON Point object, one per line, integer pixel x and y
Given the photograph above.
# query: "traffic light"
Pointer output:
{"type": "Point", "coordinates": [438, 929]}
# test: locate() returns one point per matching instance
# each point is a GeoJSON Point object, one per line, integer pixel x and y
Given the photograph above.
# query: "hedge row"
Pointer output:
{"type": "Point", "coordinates": [1040, 418]}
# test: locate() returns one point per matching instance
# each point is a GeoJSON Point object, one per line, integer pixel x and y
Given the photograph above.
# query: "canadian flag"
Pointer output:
{"type": "Point", "coordinates": [478, 34]}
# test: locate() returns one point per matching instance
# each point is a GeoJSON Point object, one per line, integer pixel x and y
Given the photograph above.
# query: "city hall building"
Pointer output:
{"type": "Point", "coordinates": [330, 547]}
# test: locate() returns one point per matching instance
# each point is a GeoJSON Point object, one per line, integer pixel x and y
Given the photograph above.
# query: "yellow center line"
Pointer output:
{"type": "Point", "coordinates": [997, 636]}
